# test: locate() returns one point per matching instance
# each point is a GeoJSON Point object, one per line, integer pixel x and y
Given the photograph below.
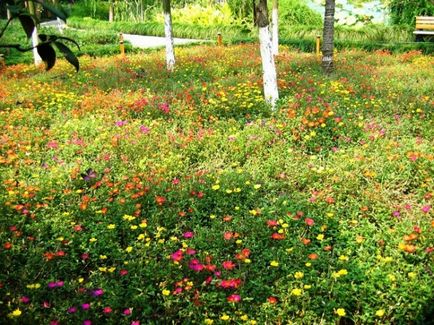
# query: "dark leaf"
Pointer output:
{"type": "Point", "coordinates": [69, 40]}
{"type": "Point", "coordinates": [58, 12]}
{"type": "Point", "coordinates": [47, 54]}
{"type": "Point", "coordinates": [27, 23]}
{"type": "Point", "coordinates": [69, 56]}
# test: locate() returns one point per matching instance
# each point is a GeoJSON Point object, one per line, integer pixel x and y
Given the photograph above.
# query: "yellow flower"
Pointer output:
{"type": "Point", "coordinates": [93, 239]}
{"type": "Point", "coordinates": [16, 313]}
{"type": "Point", "coordinates": [111, 226]}
{"type": "Point", "coordinates": [102, 269]}
{"type": "Point", "coordinates": [380, 313]}
{"type": "Point", "coordinates": [103, 257]}
{"type": "Point", "coordinates": [141, 237]}
{"type": "Point", "coordinates": [80, 280]}
{"type": "Point", "coordinates": [143, 225]}
{"type": "Point", "coordinates": [412, 275]}
{"type": "Point", "coordinates": [257, 186]}
{"type": "Point", "coordinates": [208, 321]}
{"type": "Point", "coordinates": [307, 286]}
{"type": "Point", "coordinates": [247, 260]}
{"type": "Point", "coordinates": [129, 249]}
{"type": "Point", "coordinates": [296, 292]}
{"type": "Point", "coordinates": [165, 292]}
{"type": "Point", "coordinates": [274, 263]}
{"type": "Point", "coordinates": [215, 187]}
{"type": "Point", "coordinates": [244, 317]}
{"type": "Point", "coordinates": [225, 317]}
{"type": "Point", "coordinates": [299, 275]}
{"type": "Point", "coordinates": [320, 237]}
{"type": "Point", "coordinates": [343, 272]}
{"type": "Point", "coordinates": [343, 258]}
{"type": "Point", "coordinates": [340, 312]}
{"type": "Point", "coordinates": [133, 227]}
{"type": "Point", "coordinates": [112, 269]}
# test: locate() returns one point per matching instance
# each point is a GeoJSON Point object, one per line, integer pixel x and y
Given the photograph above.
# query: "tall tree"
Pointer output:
{"type": "Point", "coordinates": [328, 36]}
{"type": "Point", "coordinates": [271, 92]}
{"type": "Point", "coordinates": [170, 55]}
{"type": "Point", "coordinates": [111, 10]}
{"type": "Point", "coordinates": [275, 24]}
{"type": "Point", "coordinates": [36, 58]}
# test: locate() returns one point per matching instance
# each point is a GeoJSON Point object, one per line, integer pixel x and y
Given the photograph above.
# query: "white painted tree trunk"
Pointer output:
{"type": "Point", "coordinates": [37, 59]}
{"type": "Point", "coordinates": [275, 24]}
{"type": "Point", "coordinates": [170, 54]}
{"type": "Point", "coordinates": [268, 67]}
{"type": "Point", "coordinates": [8, 13]}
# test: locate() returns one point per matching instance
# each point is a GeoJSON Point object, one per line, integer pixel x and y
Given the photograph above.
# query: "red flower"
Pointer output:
{"type": "Point", "coordinates": [160, 200]}
{"type": "Point", "coordinates": [123, 272]}
{"type": "Point", "coordinates": [277, 236]}
{"type": "Point", "coordinates": [177, 256]}
{"type": "Point", "coordinates": [309, 222]}
{"type": "Point", "coordinates": [272, 300]}
{"type": "Point", "coordinates": [7, 245]}
{"type": "Point", "coordinates": [272, 223]}
{"type": "Point", "coordinates": [229, 265]}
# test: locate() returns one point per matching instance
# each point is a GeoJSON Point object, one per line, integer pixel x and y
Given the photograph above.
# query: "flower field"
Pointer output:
{"type": "Point", "coordinates": [129, 195]}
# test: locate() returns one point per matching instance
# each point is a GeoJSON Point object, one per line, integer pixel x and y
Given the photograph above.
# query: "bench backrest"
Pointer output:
{"type": "Point", "coordinates": [425, 22]}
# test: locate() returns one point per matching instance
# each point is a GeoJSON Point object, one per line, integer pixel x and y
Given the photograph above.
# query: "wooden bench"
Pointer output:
{"type": "Point", "coordinates": [424, 26]}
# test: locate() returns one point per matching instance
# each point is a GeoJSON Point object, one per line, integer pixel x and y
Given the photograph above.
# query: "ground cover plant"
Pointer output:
{"type": "Point", "coordinates": [129, 195]}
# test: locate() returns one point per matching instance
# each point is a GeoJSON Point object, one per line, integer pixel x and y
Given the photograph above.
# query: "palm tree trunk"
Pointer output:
{"type": "Point", "coordinates": [170, 55]}
{"type": "Point", "coordinates": [328, 36]}
{"type": "Point", "coordinates": [275, 24]}
{"type": "Point", "coordinates": [271, 92]}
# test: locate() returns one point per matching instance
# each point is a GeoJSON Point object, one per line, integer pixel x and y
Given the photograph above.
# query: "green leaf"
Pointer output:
{"type": "Point", "coordinates": [69, 56]}
{"type": "Point", "coordinates": [27, 23]}
{"type": "Point", "coordinates": [47, 54]}
{"type": "Point", "coordinates": [69, 40]}
{"type": "Point", "coordinates": [58, 12]}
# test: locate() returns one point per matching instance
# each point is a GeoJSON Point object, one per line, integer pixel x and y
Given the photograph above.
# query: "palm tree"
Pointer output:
{"type": "Point", "coordinates": [328, 36]}
{"type": "Point", "coordinates": [271, 92]}
{"type": "Point", "coordinates": [170, 56]}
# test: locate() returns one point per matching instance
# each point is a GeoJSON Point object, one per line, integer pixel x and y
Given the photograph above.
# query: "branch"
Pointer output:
{"type": "Point", "coordinates": [7, 24]}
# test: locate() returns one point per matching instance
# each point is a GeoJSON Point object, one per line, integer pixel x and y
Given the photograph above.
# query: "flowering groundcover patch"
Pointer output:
{"type": "Point", "coordinates": [129, 195]}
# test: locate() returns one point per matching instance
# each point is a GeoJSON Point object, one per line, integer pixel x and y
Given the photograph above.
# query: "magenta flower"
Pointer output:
{"type": "Point", "coordinates": [127, 311]}
{"type": "Point", "coordinates": [85, 306]}
{"type": "Point", "coordinates": [426, 208]}
{"type": "Point", "coordinates": [234, 298]}
{"type": "Point", "coordinates": [121, 123]}
{"type": "Point", "coordinates": [190, 251]}
{"type": "Point", "coordinates": [177, 256]}
{"type": "Point", "coordinates": [188, 234]}
{"type": "Point", "coordinates": [54, 322]}
{"type": "Point", "coordinates": [123, 272]}
{"type": "Point", "coordinates": [25, 299]}
{"type": "Point", "coordinates": [87, 322]}
{"type": "Point", "coordinates": [52, 285]}
{"type": "Point", "coordinates": [135, 322]}
{"type": "Point", "coordinates": [97, 292]}
{"type": "Point", "coordinates": [195, 265]}
{"type": "Point", "coordinates": [72, 310]}
{"type": "Point", "coordinates": [164, 107]}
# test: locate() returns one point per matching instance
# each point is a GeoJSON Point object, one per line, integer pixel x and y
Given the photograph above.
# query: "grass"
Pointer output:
{"type": "Point", "coordinates": [129, 194]}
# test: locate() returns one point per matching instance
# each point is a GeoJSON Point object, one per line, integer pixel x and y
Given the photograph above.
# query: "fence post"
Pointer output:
{"type": "Point", "coordinates": [121, 44]}
{"type": "Point", "coordinates": [219, 39]}
{"type": "Point", "coordinates": [318, 45]}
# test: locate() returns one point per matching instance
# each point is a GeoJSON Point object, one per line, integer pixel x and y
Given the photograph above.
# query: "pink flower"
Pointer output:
{"type": "Point", "coordinates": [135, 322]}
{"type": "Point", "coordinates": [85, 306]}
{"type": "Point", "coordinates": [121, 123]}
{"type": "Point", "coordinates": [87, 322]}
{"type": "Point", "coordinates": [164, 107]}
{"type": "Point", "coordinates": [234, 298]}
{"type": "Point", "coordinates": [72, 310]}
{"type": "Point", "coordinates": [195, 265]}
{"type": "Point", "coordinates": [123, 272]}
{"type": "Point", "coordinates": [188, 234]}
{"type": "Point", "coordinates": [25, 299]}
{"type": "Point", "coordinates": [144, 129]}
{"type": "Point", "coordinates": [426, 208]}
{"type": "Point", "coordinates": [127, 311]}
{"type": "Point", "coordinates": [177, 256]}
{"type": "Point", "coordinates": [309, 222]}
{"type": "Point", "coordinates": [54, 322]}
{"type": "Point", "coordinates": [107, 310]}
{"type": "Point", "coordinates": [190, 251]}
{"type": "Point", "coordinates": [52, 144]}
{"type": "Point", "coordinates": [177, 291]}
{"type": "Point", "coordinates": [175, 181]}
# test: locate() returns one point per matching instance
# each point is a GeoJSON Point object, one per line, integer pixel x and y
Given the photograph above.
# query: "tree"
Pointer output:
{"type": "Point", "coordinates": [268, 67]}
{"type": "Point", "coordinates": [328, 36]}
{"type": "Point", "coordinates": [170, 55]}
{"type": "Point", "coordinates": [35, 40]}
{"type": "Point", "coordinates": [275, 24]}
{"type": "Point", "coordinates": [29, 21]}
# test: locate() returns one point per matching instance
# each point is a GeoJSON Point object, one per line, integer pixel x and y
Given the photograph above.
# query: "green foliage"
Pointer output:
{"type": "Point", "coordinates": [296, 12]}
{"type": "Point", "coordinates": [404, 12]}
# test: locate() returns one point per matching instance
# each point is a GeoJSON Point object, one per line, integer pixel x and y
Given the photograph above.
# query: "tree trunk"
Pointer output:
{"type": "Point", "coordinates": [275, 24]}
{"type": "Point", "coordinates": [170, 55]}
{"type": "Point", "coordinates": [111, 10]}
{"type": "Point", "coordinates": [8, 13]}
{"type": "Point", "coordinates": [328, 36]}
{"type": "Point", "coordinates": [35, 40]}
{"type": "Point", "coordinates": [271, 93]}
